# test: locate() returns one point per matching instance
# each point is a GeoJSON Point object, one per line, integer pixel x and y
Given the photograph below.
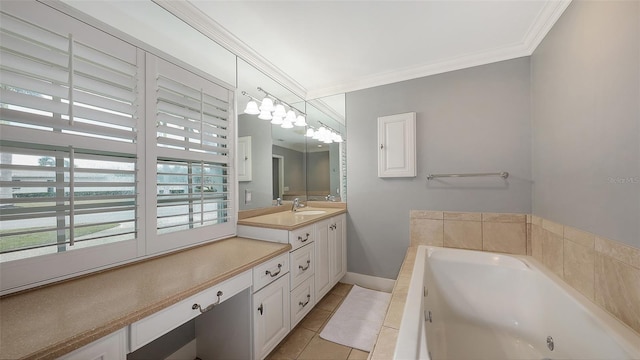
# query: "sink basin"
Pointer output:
{"type": "Point", "coordinates": [310, 212]}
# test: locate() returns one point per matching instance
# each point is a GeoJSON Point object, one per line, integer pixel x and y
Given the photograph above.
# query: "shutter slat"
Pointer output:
{"type": "Point", "coordinates": [102, 74]}
{"type": "Point", "coordinates": [191, 124]}
{"type": "Point", "coordinates": [88, 53]}
{"type": "Point", "coordinates": [192, 146]}
{"type": "Point", "coordinates": [32, 84]}
{"type": "Point", "coordinates": [33, 102]}
{"type": "Point", "coordinates": [33, 32]}
{"type": "Point", "coordinates": [186, 133]}
{"type": "Point", "coordinates": [30, 50]}
{"type": "Point", "coordinates": [38, 70]}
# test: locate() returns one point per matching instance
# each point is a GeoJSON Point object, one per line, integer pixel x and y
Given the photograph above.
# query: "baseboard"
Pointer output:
{"type": "Point", "coordinates": [369, 282]}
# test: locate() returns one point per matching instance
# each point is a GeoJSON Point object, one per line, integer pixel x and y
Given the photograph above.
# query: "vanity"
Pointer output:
{"type": "Point", "coordinates": [241, 295]}
{"type": "Point", "coordinates": [317, 261]}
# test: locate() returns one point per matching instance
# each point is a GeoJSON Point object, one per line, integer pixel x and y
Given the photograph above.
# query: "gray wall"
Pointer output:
{"type": "Point", "coordinates": [260, 186]}
{"type": "Point", "coordinates": [295, 174]}
{"type": "Point", "coordinates": [472, 120]}
{"type": "Point", "coordinates": [318, 171]}
{"type": "Point", "coordinates": [586, 120]}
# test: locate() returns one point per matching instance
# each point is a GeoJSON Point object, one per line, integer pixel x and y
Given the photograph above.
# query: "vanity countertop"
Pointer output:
{"type": "Point", "coordinates": [289, 220]}
{"type": "Point", "coordinates": [50, 321]}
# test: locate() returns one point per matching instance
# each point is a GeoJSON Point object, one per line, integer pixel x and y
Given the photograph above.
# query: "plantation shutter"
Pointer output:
{"type": "Point", "coordinates": [69, 122]}
{"type": "Point", "coordinates": [194, 131]}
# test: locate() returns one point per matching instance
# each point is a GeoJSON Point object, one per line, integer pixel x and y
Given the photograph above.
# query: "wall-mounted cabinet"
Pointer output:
{"type": "Point", "coordinates": [244, 158]}
{"type": "Point", "coordinates": [397, 145]}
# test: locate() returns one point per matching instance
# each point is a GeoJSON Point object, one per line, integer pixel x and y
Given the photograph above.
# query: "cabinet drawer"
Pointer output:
{"type": "Point", "coordinates": [150, 328]}
{"type": "Point", "coordinates": [302, 301]}
{"type": "Point", "coordinates": [110, 347]}
{"type": "Point", "coordinates": [302, 264]}
{"type": "Point", "coordinates": [301, 237]}
{"type": "Point", "coordinates": [271, 270]}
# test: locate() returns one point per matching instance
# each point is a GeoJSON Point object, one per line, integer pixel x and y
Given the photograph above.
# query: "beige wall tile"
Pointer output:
{"type": "Point", "coordinates": [617, 289]}
{"type": "Point", "coordinates": [555, 228]}
{"type": "Point", "coordinates": [467, 216]}
{"type": "Point", "coordinates": [552, 252]}
{"type": "Point", "coordinates": [386, 344]}
{"type": "Point", "coordinates": [463, 234]}
{"type": "Point", "coordinates": [578, 236]}
{"type": "Point", "coordinates": [621, 252]}
{"type": "Point", "coordinates": [509, 238]}
{"type": "Point", "coordinates": [426, 214]}
{"type": "Point", "coordinates": [536, 241]}
{"type": "Point", "coordinates": [528, 218]}
{"type": "Point", "coordinates": [394, 313]}
{"type": "Point", "coordinates": [507, 218]}
{"type": "Point", "coordinates": [427, 232]}
{"type": "Point", "coordinates": [579, 267]}
{"type": "Point", "coordinates": [536, 220]}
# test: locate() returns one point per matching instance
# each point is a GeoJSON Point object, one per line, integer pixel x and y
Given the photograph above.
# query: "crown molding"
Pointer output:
{"type": "Point", "coordinates": [545, 20]}
{"type": "Point", "coordinates": [190, 14]}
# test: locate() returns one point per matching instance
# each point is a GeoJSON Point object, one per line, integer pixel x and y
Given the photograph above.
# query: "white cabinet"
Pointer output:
{"type": "Point", "coordinates": [323, 272]}
{"type": "Point", "coordinates": [331, 254]}
{"type": "Point", "coordinates": [271, 316]}
{"type": "Point", "coordinates": [244, 158]}
{"type": "Point", "coordinates": [110, 347]}
{"type": "Point", "coordinates": [397, 145]}
{"type": "Point", "coordinates": [338, 249]}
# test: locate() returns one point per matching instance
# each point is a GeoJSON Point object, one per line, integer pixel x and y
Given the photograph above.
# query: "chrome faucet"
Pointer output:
{"type": "Point", "coordinates": [330, 198]}
{"type": "Point", "coordinates": [296, 204]}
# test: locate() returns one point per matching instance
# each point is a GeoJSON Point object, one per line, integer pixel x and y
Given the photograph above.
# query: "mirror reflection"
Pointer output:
{"type": "Point", "coordinates": [279, 158]}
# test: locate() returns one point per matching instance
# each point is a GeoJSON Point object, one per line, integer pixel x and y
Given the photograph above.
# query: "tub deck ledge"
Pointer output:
{"type": "Point", "coordinates": [385, 345]}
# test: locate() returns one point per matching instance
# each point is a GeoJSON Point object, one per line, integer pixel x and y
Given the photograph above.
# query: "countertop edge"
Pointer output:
{"type": "Point", "coordinates": [62, 348]}
{"type": "Point", "coordinates": [311, 220]}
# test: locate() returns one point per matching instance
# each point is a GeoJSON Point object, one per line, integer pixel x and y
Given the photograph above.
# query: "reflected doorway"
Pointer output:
{"type": "Point", "coordinates": [277, 172]}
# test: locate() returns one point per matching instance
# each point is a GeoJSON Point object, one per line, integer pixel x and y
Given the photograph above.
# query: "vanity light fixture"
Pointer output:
{"type": "Point", "coordinates": [274, 109]}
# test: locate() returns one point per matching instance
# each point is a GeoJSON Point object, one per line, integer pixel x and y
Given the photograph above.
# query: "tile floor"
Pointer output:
{"type": "Point", "coordinates": [304, 341]}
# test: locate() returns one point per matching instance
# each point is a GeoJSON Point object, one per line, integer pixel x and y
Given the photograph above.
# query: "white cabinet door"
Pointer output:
{"type": "Point", "coordinates": [271, 316]}
{"type": "Point", "coordinates": [323, 270]}
{"type": "Point", "coordinates": [397, 145]}
{"type": "Point", "coordinates": [110, 347]}
{"type": "Point", "coordinates": [338, 248]}
{"type": "Point", "coordinates": [244, 158]}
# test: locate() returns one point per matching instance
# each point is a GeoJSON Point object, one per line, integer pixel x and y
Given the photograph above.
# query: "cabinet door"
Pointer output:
{"type": "Point", "coordinates": [110, 347]}
{"type": "Point", "coordinates": [271, 317]}
{"type": "Point", "coordinates": [244, 158]}
{"type": "Point", "coordinates": [338, 249]}
{"type": "Point", "coordinates": [397, 145]}
{"type": "Point", "coordinates": [322, 271]}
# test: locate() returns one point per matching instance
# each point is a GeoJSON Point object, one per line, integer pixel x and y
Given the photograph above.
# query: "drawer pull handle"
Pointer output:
{"type": "Point", "coordinates": [260, 308]}
{"type": "Point", "coordinates": [333, 227]}
{"type": "Point", "coordinates": [305, 268]}
{"type": "Point", "coordinates": [305, 239]}
{"type": "Point", "coordinates": [197, 306]}
{"type": "Point", "coordinates": [268, 272]}
{"type": "Point", "coordinates": [303, 304]}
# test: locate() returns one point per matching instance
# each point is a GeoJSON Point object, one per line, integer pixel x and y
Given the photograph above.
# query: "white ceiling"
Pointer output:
{"type": "Point", "coordinates": [331, 47]}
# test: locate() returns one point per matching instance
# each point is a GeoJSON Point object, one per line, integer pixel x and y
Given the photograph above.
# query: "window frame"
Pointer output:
{"type": "Point", "coordinates": [39, 270]}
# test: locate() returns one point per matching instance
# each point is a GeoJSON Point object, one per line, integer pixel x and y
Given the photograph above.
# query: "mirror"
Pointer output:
{"type": "Point", "coordinates": [275, 162]}
{"type": "Point", "coordinates": [326, 163]}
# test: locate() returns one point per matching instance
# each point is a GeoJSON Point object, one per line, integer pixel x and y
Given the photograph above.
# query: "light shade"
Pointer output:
{"type": "Point", "coordinates": [277, 120]}
{"type": "Point", "coordinates": [309, 132]}
{"type": "Point", "coordinates": [252, 108]}
{"type": "Point", "coordinates": [279, 111]}
{"type": "Point", "coordinates": [265, 115]}
{"type": "Point", "coordinates": [291, 116]}
{"type": "Point", "coordinates": [287, 124]}
{"type": "Point", "coordinates": [267, 104]}
{"type": "Point", "coordinates": [300, 121]}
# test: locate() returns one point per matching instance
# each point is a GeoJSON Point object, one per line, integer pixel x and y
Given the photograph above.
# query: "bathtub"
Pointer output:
{"type": "Point", "coordinates": [464, 304]}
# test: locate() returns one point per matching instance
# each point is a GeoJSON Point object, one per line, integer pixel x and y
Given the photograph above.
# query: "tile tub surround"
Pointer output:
{"type": "Point", "coordinates": [48, 322]}
{"type": "Point", "coordinates": [605, 271]}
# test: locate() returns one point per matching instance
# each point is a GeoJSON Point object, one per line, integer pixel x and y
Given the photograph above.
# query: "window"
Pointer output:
{"type": "Point", "coordinates": [107, 153]}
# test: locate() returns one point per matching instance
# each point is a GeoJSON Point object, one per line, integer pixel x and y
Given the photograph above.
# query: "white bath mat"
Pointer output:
{"type": "Point", "coordinates": [358, 320]}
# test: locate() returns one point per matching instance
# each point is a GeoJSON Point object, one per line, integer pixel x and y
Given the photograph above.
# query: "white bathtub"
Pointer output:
{"type": "Point", "coordinates": [496, 306]}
